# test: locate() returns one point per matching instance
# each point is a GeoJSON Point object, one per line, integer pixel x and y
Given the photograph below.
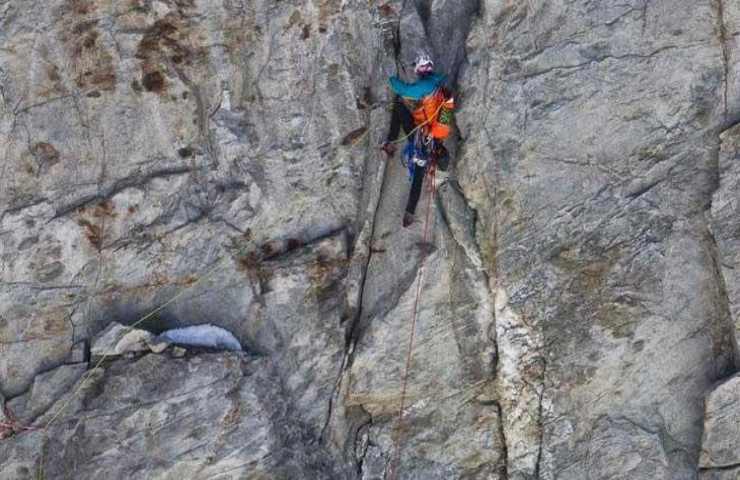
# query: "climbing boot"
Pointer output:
{"type": "Point", "coordinates": [408, 219]}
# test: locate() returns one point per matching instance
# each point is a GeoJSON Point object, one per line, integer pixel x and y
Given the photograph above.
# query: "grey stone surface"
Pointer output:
{"type": "Point", "coordinates": [210, 416]}
{"type": "Point", "coordinates": [138, 180]}
{"type": "Point", "coordinates": [194, 161]}
{"type": "Point", "coordinates": [731, 474]}
{"type": "Point", "coordinates": [46, 390]}
{"type": "Point", "coordinates": [725, 211]}
{"type": "Point", "coordinates": [78, 354]}
{"type": "Point", "coordinates": [5, 425]}
{"type": "Point", "coordinates": [721, 440]}
{"type": "Point", "coordinates": [591, 136]}
{"type": "Point", "coordinates": [178, 352]}
{"type": "Point", "coordinates": [117, 340]}
{"type": "Point", "coordinates": [728, 14]}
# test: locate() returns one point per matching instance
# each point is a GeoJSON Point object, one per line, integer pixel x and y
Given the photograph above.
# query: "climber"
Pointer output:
{"type": "Point", "coordinates": [424, 109]}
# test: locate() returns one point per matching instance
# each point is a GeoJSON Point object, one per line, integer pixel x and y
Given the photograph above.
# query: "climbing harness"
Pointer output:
{"type": "Point", "coordinates": [418, 151]}
{"type": "Point", "coordinates": [436, 113]}
{"type": "Point", "coordinates": [396, 457]}
{"type": "Point", "coordinates": [440, 120]}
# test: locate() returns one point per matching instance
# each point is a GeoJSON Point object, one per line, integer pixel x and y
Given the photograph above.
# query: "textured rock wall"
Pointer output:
{"type": "Point", "coordinates": [720, 454]}
{"type": "Point", "coordinates": [592, 135]}
{"type": "Point", "coordinates": [216, 162]}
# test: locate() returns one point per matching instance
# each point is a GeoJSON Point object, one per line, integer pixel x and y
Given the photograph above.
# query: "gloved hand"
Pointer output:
{"type": "Point", "coordinates": [389, 148]}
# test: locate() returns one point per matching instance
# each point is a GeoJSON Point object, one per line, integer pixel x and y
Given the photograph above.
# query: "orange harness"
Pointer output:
{"type": "Point", "coordinates": [433, 114]}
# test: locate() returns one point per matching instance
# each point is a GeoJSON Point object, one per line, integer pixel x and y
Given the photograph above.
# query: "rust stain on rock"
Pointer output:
{"type": "Point", "coordinates": [46, 156]}
{"type": "Point", "coordinates": [352, 137]}
{"type": "Point", "coordinates": [93, 233]}
{"type": "Point", "coordinates": [154, 82]}
{"type": "Point", "coordinates": [80, 7]}
{"type": "Point", "coordinates": [168, 41]}
{"type": "Point", "coordinates": [105, 208]}
{"type": "Point", "coordinates": [92, 221]}
{"type": "Point", "coordinates": [91, 62]}
{"type": "Point", "coordinates": [327, 9]}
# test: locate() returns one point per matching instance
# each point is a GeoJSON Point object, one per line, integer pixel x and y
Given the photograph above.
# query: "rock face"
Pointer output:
{"type": "Point", "coordinates": [721, 441]}
{"type": "Point", "coordinates": [725, 209]}
{"type": "Point", "coordinates": [117, 340]}
{"type": "Point", "coordinates": [571, 282]}
{"type": "Point", "coordinates": [592, 149]}
{"type": "Point", "coordinates": [208, 416]}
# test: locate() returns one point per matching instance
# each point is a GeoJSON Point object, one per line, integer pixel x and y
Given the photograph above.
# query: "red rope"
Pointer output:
{"type": "Point", "coordinates": [16, 427]}
{"type": "Point", "coordinates": [395, 459]}
{"type": "Point", "coordinates": [12, 426]}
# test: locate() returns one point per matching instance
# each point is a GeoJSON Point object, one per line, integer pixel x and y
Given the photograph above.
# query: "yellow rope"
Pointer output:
{"type": "Point", "coordinates": [425, 122]}
{"type": "Point", "coordinates": [401, 139]}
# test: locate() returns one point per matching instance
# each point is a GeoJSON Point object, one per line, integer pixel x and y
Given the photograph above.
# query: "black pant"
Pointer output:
{"type": "Point", "coordinates": [416, 183]}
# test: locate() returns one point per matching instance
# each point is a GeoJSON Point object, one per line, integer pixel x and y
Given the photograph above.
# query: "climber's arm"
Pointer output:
{"type": "Point", "coordinates": [400, 116]}
{"type": "Point", "coordinates": [395, 126]}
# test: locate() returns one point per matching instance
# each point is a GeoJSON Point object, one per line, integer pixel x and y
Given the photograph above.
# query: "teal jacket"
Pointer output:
{"type": "Point", "coordinates": [419, 89]}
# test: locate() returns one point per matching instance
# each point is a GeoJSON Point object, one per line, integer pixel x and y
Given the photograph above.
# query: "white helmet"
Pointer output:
{"type": "Point", "coordinates": [423, 64]}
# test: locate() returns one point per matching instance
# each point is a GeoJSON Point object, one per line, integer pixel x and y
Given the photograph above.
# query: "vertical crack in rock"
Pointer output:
{"type": "Point", "coordinates": [538, 464]}
{"type": "Point", "coordinates": [722, 28]}
{"type": "Point", "coordinates": [203, 117]}
{"type": "Point", "coordinates": [505, 448]}
{"type": "Point", "coordinates": [725, 311]}
{"type": "Point", "coordinates": [518, 349]}
{"type": "Point", "coordinates": [346, 361]}
{"type": "Point", "coordinates": [643, 16]}
{"type": "Point", "coordinates": [362, 442]}
{"type": "Point", "coordinates": [461, 229]}
{"type": "Point", "coordinates": [362, 255]}
{"type": "Point", "coordinates": [520, 386]}
{"type": "Point", "coordinates": [96, 233]}
{"type": "Point", "coordinates": [520, 358]}
{"type": "Point", "coordinates": [716, 251]}
{"type": "Point", "coordinates": [365, 251]}
{"type": "Point", "coordinates": [450, 51]}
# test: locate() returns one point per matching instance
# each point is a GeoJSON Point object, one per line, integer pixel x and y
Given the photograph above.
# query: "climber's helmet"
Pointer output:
{"type": "Point", "coordinates": [423, 64]}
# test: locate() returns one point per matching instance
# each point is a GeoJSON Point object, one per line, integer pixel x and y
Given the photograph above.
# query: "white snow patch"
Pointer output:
{"type": "Point", "coordinates": [207, 335]}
